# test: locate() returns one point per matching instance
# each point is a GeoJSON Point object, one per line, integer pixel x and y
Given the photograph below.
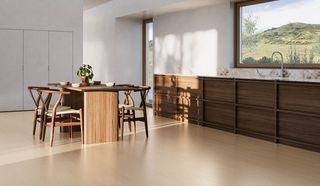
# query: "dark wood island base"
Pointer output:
{"type": "Point", "coordinates": [282, 111]}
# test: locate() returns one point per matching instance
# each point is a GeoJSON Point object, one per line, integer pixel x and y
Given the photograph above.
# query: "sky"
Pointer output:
{"type": "Point", "coordinates": [281, 12]}
{"type": "Point", "coordinates": [150, 31]}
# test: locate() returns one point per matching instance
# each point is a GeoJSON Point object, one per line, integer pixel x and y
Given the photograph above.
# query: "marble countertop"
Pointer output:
{"type": "Point", "coordinates": [287, 79]}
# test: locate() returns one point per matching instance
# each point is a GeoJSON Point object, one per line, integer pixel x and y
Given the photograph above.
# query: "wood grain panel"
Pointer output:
{"type": "Point", "coordinates": [165, 84]}
{"type": "Point", "coordinates": [299, 128]}
{"type": "Point", "coordinates": [219, 89]}
{"type": "Point", "coordinates": [75, 99]}
{"type": "Point", "coordinates": [248, 107]}
{"type": "Point", "coordinates": [257, 93]}
{"type": "Point", "coordinates": [219, 113]}
{"type": "Point", "coordinates": [100, 117]}
{"type": "Point", "coordinates": [188, 108]}
{"type": "Point", "coordinates": [261, 121]}
{"type": "Point", "coordinates": [188, 86]}
{"type": "Point", "coordinates": [304, 98]}
{"type": "Point", "coordinates": [165, 104]}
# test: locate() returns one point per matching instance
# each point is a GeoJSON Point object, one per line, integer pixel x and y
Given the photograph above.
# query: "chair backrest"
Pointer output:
{"type": "Point", "coordinates": [128, 100]}
{"type": "Point", "coordinates": [46, 101]}
{"type": "Point", "coordinates": [33, 90]}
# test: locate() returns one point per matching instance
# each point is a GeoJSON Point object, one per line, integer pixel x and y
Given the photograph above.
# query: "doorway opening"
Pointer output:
{"type": "Point", "coordinates": [148, 61]}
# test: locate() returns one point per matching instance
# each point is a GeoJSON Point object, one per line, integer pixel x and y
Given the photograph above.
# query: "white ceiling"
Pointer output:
{"type": "Point", "coordinates": [87, 4]}
{"type": "Point", "coordinates": [175, 7]}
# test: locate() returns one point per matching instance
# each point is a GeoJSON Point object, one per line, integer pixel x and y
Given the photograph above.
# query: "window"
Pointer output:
{"type": "Point", "coordinates": [148, 57]}
{"type": "Point", "coordinates": [269, 32]}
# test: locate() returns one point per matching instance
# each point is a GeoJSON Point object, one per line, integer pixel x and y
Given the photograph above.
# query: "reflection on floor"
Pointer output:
{"type": "Point", "coordinates": [178, 154]}
{"type": "Point", "coordinates": [18, 144]}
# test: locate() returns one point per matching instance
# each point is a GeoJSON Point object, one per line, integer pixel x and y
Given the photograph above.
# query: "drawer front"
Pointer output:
{"type": "Point", "coordinates": [165, 84]}
{"type": "Point", "coordinates": [299, 128]}
{"type": "Point", "coordinates": [219, 113]}
{"type": "Point", "coordinates": [256, 93]}
{"type": "Point", "coordinates": [219, 90]}
{"type": "Point", "coordinates": [256, 120]}
{"type": "Point", "coordinates": [298, 97]}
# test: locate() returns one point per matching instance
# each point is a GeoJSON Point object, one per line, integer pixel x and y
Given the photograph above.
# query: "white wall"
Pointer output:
{"type": "Point", "coordinates": [98, 41]}
{"type": "Point", "coordinates": [129, 50]}
{"type": "Point", "coordinates": [113, 46]}
{"type": "Point", "coordinates": [193, 42]}
{"type": "Point", "coordinates": [190, 42]}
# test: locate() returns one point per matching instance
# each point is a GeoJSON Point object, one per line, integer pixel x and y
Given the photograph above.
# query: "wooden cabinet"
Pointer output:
{"type": "Point", "coordinates": [177, 97]}
{"type": "Point", "coordinates": [300, 128]}
{"type": "Point", "coordinates": [301, 97]}
{"type": "Point", "coordinates": [220, 115]}
{"type": "Point", "coordinates": [219, 90]}
{"type": "Point", "coordinates": [165, 84]}
{"type": "Point", "coordinates": [279, 111]}
{"type": "Point", "coordinates": [258, 122]}
{"type": "Point", "coordinates": [256, 93]}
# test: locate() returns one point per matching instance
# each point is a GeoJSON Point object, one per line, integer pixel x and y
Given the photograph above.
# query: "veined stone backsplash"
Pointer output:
{"type": "Point", "coordinates": [264, 73]}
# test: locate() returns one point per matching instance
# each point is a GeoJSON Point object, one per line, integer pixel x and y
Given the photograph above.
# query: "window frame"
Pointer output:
{"type": "Point", "coordinates": [237, 42]}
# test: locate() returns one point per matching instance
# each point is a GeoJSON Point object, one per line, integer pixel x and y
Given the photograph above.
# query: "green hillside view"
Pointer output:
{"type": "Point", "coordinates": [298, 42]}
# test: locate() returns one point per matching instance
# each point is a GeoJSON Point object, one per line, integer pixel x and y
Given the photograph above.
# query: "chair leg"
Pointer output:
{"type": "Point", "coordinates": [130, 127]}
{"type": "Point", "coordinates": [43, 128]}
{"type": "Point", "coordinates": [146, 122]}
{"type": "Point", "coordinates": [70, 129]}
{"type": "Point", "coordinates": [119, 116]}
{"type": "Point", "coordinates": [35, 123]}
{"type": "Point", "coordinates": [122, 123]}
{"type": "Point", "coordinates": [134, 121]}
{"type": "Point", "coordinates": [52, 134]}
{"type": "Point", "coordinates": [81, 127]}
{"type": "Point", "coordinates": [129, 120]}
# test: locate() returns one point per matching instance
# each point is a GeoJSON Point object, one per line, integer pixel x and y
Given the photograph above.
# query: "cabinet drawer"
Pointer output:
{"type": "Point", "coordinates": [219, 90]}
{"type": "Point", "coordinates": [219, 113]}
{"type": "Point", "coordinates": [257, 93]}
{"type": "Point", "coordinates": [298, 97]}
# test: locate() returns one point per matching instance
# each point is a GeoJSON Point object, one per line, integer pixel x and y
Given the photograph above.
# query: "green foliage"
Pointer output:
{"type": "Point", "coordinates": [263, 60]}
{"type": "Point", "coordinates": [294, 57]}
{"type": "Point", "coordinates": [290, 34]}
{"type": "Point", "coordinates": [85, 70]}
{"type": "Point", "coordinates": [248, 34]}
{"type": "Point", "coordinates": [299, 41]}
{"type": "Point", "coordinates": [316, 45]}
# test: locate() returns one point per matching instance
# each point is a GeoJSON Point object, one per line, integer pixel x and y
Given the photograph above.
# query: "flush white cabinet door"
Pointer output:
{"type": "Point", "coordinates": [36, 63]}
{"type": "Point", "coordinates": [11, 76]}
{"type": "Point", "coordinates": [60, 56]}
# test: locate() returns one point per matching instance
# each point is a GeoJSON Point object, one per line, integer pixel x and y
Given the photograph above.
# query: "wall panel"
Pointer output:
{"type": "Point", "coordinates": [11, 76]}
{"type": "Point", "coordinates": [35, 62]}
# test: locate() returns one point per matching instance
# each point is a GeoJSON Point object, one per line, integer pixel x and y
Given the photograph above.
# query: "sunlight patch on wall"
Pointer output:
{"type": "Point", "coordinates": [194, 53]}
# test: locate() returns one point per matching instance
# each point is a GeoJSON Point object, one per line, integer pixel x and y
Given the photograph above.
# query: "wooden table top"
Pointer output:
{"type": "Point", "coordinates": [94, 88]}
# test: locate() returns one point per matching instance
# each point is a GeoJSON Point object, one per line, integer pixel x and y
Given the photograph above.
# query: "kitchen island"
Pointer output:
{"type": "Point", "coordinates": [281, 110]}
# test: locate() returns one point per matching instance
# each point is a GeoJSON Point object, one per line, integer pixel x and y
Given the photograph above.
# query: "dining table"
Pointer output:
{"type": "Point", "coordinates": [100, 109]}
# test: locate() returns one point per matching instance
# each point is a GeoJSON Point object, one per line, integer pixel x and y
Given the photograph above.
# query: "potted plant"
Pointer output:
{"type": "Point", "coordinates": [85, 73]}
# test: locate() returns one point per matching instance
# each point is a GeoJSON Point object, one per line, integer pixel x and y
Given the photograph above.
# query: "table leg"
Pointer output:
{"type": "Point", "coordinates": [100, 117]}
